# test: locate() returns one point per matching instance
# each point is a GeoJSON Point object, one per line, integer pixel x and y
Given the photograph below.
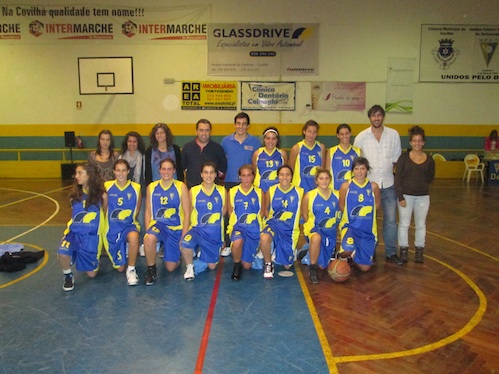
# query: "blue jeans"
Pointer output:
{"type": "Point", "coordinates": [420, 206]}
{"type": "Point", "coordinates": [389, 205]}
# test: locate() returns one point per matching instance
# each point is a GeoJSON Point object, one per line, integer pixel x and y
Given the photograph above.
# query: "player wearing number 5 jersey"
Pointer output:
{"type": "Point", "coordinates": [340, 157]}
{"type": "Point", "coordinates": [266, 160]}
{"type": "Point", "coordinates": [122, 230]}
{"type": "Point", "coordinates": [206, 229]}
{"type": "Point", "coordinates": [167, 210]}
{"type": "Point", "coordinates": [306, 156]}
{"type": "Point", "coordinates": [359, 199]}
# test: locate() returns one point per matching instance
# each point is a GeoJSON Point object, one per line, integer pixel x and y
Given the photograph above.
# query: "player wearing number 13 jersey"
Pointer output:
{"type": "Point", "coordinates": [266, 160]}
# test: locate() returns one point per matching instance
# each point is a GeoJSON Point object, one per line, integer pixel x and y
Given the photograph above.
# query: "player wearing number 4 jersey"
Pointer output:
{"type": "Point", "coordinates": [340, 157]}
{"type": "Point", "coordinates": [122, 232]}
{"type": "Point", "coordinates": [359, 199]}
{"type": "Point", "coordinates": [206, 230]}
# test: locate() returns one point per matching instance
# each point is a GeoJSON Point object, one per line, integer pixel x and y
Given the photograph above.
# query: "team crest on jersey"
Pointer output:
{"type": "Point", "coordinates": [292, 198]}
{"type": "Point", "coordinates": [172, 195]}
{"type": "Point", "coordinates": [368, 192]}
{"type": "Point", "coordinates": [216, 199]}
{"type": "Point", "coordinates": [253, 200]}
{"type": "Point", "coordinates": [129, 195]}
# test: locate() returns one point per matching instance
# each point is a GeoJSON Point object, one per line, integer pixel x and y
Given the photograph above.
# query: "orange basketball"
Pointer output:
{"type": "Point", "coordinates": [338, 270]}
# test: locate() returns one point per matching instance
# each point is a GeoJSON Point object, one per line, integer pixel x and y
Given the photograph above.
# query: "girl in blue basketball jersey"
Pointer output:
{"type": "Point", "coordinates": [206, 230]}
{"type": "Point", "coordinates": [82, 241]}
{"type": "Point", "coordinates": [282, 204]}
{"type": "Point", "coordinates": [122, 232]}
{"type": "Point", "coordinates": [267, 159]}
{"type": "Point", "coordinates": [321, 214]}
{"type": "Point", "coordinates": [245, 210]}
{"type": "Point", "coordinates": [306, 156]}
{"type": "Point", "coordinates": [168, 208]}
{"type": "Point", "coordinates": [340, 157]}
{"type": "Point", "coordinates": [359, 200]}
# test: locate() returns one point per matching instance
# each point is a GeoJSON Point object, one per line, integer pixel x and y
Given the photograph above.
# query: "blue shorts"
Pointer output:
{"type": "Point", "coordinates": [250, 244]}
{"type": "Point", "coordinates": [84, 250]}
{"type": "Point", "coordinates": [283, 245]}
{"type": "Point", "coordinates": [117, 246]}
{"type": "Point", "coordinates": [328, 245]}
{"type": "Point", "coordinates": [169, 239]}
{"type": "Point", "coordinates": [359, 242]}
{"type": "Point", "coordinates": [210, 251]}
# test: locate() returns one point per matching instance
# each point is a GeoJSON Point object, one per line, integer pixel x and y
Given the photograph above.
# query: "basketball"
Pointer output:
{"type": "Point", "coordinates": [338, 270]}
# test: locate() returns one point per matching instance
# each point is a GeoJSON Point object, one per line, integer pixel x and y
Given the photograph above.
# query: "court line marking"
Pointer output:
{"type": "Point", "coordinates": [36, 194]}
{"type": "Point", "coordinates": [37, 269]}
{"type": "Point", "coordinates": [472, 323]}
{"type": "Point", "coordinates": [45, 257]}
{"type": "Point", "coordinates": [209, 319]}
{"type": "Point", "coordinates": [326, 348]}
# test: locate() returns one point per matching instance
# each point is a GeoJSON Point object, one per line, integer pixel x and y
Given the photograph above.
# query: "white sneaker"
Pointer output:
{"type": "Point", "coordinates": [132, 277]}
{"type": "Point", "coordinates": [142, 251]}
{"type": "Point", "coordinates": [268, 272]}
{"type": "Point", "coordinates": [225, 251]}
{"type": "Point", "coordinates": [189, 273]}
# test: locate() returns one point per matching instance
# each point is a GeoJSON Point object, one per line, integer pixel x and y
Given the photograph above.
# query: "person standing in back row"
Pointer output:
{"type": "Point", "coordinates": [381, 146]}
{"type": "Point", "coordinates": [201, 150]}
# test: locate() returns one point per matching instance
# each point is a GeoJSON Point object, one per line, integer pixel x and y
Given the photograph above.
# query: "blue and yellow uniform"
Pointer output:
{"type": "Point", "coordinates": [282, 224]}
{"type": "Point", "coordinates": [206, 230]}
{"type": "Point", "coordinates": [245, 222]}
{"type": "Point", "coordinates": [359, 231]}
{"type": "Point", "coordinates": [323, 215]}
{"type": "Point", "coordinates": [305, 167]}
{"type": "Point", "coordinates": [82, 239]}
{"type": "Point", "coordinates": [266, 168]}
{"type": "Point", "coordinates": [121, 213]}
{"type": "Point", "coordinates": [341, 164]}
{"type": "Point", "coordinates": [167, 217]}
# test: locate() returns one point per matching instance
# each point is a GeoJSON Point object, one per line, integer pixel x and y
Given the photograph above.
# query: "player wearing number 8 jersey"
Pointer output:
{"type": "Point", "coordinates": [340, 157]}
{"type": "Point", "coordinates": [206, 229]}
{"type": "Point", "coordinates": [359, 199]}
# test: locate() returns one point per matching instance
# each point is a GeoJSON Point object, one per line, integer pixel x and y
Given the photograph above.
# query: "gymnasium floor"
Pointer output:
{"type": "Point", "coordinates": [440, 317]}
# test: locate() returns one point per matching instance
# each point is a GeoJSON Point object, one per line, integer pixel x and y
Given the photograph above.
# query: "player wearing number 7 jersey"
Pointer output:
{"type": "Point", "coordinates": [340, 157]}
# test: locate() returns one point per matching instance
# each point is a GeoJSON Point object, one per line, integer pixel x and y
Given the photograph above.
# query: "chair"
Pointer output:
{"type": "Point", "coordinates": [438, 157]}
{"type": "Point", "coordinates": [472, 164]}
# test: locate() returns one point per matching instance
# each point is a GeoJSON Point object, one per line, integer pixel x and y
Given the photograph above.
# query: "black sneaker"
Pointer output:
{"type": "Point", "coordinates": [236, 272]}
{"type": "Point", "coordinates": [313, 274]}
{"type": "Point", "coordinates": [151, 275]}
{"type": "Point", "coordinates": [69, 283]}
{"type": "Point", "coordinates": [395, 259]}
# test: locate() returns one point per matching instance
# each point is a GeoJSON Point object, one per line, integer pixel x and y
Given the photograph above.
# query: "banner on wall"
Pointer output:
{"type": "Point", "coordinates": [335, 96]}
{"type": "Point", "coordinates": [263, 49]}
{"type": "Point", "coordinates": [400, 85]}
{"type": "Point", "coordinates": [47, 24]}
{"type": "Point", "coordinates": [459, 53]}
{"type": "Point", "coordinates": [268, 95]}
{"type": "Point", "coordinates": [209, 95]}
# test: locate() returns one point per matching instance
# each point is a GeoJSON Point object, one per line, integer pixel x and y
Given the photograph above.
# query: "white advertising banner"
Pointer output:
{"type": "Point", "coordinates": [268, 95]}
{"type": "Point", "coordinates": [459, 53]}
{"type": "Point", "coordinates": [263, 49]}
{"type": "Point", "coordinates": [91, 23]}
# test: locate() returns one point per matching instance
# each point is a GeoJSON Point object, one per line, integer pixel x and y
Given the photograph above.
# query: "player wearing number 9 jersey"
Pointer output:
{"type": "Point", "coordinates": [206, 229]}
{"type": "Point", "coordinates": [359, 199]}
{"type": "Point", "coordinates": [340, 157]}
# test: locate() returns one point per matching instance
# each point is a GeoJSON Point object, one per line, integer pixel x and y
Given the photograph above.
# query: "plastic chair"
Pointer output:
{"type": "Point", "coordinates": [438, 157]}
{"type": "Point", "coordinates": [472, 164]}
